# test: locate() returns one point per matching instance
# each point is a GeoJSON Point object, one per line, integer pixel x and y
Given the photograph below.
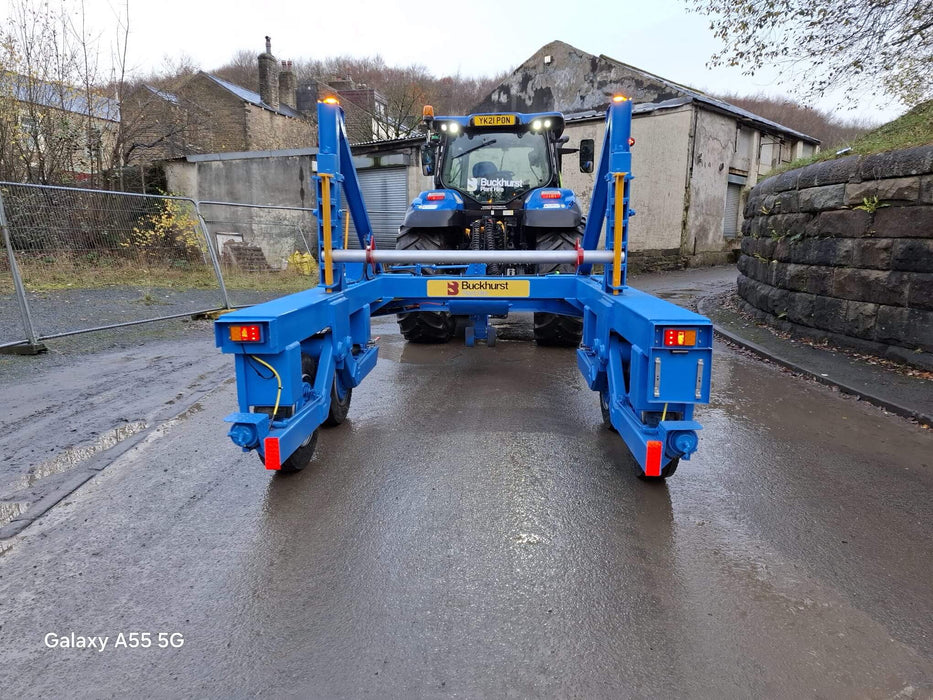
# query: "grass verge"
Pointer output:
{"type": "Point", "coordinates": [912, 129]}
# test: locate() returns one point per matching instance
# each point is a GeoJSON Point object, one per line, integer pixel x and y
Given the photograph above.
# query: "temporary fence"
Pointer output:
{"type": "Point", "coordinates": [76, 260]}
{"type": "Point", "coordinates": [263, 250]}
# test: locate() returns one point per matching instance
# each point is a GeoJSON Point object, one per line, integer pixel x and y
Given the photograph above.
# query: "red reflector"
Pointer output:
{"type": "Point", "coordinates": [246, 334]}
{"type": "Point", "coordinates": [631, 141]}
{"type": "Point", "coordinates": [273, 460]}
{"type": "Point", "coordinates": [678, 337]}
{"type": "Point", "coordinates": [550, 194]}
{"type": "Point", "coordinates": [435, 196]}
{"type": "Point", "coordinates": [652, 458]}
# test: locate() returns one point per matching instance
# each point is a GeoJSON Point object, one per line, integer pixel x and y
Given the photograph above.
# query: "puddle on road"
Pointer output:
{"type": "Point", "coordinates": [10, 510]}
{"type": "Point", "coordinates": [74, 456]}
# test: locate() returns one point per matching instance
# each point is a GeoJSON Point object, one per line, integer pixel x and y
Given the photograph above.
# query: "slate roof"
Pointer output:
{"type": "Point", "coordinates": [253, 97]}
{"type": "Point", "coordinates": [720, 105]}
{"type": "Point", "coordinates": [586, 82]}
{"type": "Point", "coordinates": [167, 96]}
{"type": "Point", "coordinates": [58, 96]}
{"type": "Point", "coordinates": [705, 100]}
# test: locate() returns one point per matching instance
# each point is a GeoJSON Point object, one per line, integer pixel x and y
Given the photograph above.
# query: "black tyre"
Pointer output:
{"type": "Point", "coordinates": [424, 326]}
{"type": "Point", "coordinates": [604, 408]}
{"type": "Point", "coordinates": [339, 405]}
{"type": "Point", "coordinates": [554, 329]}
{"type": "Point", "coordinates": [300, 458]}
{"type": "Point", "coordinates": [668, 471]}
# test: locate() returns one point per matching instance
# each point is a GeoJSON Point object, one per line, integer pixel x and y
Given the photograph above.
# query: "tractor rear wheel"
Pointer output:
{"type": "Point", "coordinates": [424, 326]}
{"type": "Point", "coordinates": [555, 329]}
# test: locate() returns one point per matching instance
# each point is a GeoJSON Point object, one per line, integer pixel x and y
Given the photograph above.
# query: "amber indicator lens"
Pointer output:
{"type": "Point", "coordinates": [679, 337]}
{"type": "Point", "coordinates": [246, 334]}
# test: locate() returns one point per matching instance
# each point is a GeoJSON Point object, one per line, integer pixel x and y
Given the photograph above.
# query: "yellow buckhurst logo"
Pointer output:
{"type": "Point", "coordinates": [479, 288]}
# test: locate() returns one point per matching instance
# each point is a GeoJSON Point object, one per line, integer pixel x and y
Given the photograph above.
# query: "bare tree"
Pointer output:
{"type": "Point", "coordinates": [832, 131]}
{"type": "Point", "coordinates": [54, 120]}
{"type": "Point", "coordinates": [829, 44]}
{"type": "Point", "coordinates": [242, 69]}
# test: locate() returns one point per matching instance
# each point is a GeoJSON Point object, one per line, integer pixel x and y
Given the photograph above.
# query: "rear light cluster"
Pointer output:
{"type": "Point", "coordinates": [680, 337]}
{"type": "Point", "coordinates": [436, 196]}
{"type": "Point", "coordinates": [551, 194]}
{"type": "Point", "coordinates": [246, 334]}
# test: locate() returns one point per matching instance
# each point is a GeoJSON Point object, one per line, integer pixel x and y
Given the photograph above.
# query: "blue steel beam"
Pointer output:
{"type": "Point", "coordinates": [615, 157]}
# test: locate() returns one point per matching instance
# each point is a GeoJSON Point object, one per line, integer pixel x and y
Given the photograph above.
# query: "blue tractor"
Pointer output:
{"type": "Point", "coordinates": [497, 181]}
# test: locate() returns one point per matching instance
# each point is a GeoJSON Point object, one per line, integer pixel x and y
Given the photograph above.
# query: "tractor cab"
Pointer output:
{"type": "Point", "coordinates": [493, 159]}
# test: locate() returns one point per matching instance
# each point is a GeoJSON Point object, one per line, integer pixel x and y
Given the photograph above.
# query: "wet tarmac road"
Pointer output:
{"type": "Point", "coordinates": [474, 531]}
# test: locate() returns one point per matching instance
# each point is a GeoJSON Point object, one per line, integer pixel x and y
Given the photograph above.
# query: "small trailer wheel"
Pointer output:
{"type": "Point", "coordinates": [339, 406]}
{"type": "Point", "coordinates": [302, 456]}
{"type": "Point", "coordinates": [604, 408]}
{"type": "Point", "coordinates": [668, 471]}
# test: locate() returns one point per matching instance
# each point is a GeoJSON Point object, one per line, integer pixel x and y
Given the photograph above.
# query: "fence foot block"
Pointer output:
{"type": "Point", "coordinates": [24, 349]}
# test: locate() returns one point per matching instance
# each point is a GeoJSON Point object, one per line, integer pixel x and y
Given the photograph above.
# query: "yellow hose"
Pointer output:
{"type": "Point", "coordinates": [278, 379]}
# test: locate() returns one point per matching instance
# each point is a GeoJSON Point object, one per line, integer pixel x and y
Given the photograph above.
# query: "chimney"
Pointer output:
{"type": "Point", "coordinates": [288, 86]}
{"type": "Point", "coordinates": [269, 77]}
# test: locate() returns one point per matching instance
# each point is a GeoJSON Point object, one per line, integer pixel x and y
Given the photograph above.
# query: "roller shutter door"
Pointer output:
{"type": "Point", "coordinates": [731, 217]}
{"type": "Point", "coordinates": [385, 191]}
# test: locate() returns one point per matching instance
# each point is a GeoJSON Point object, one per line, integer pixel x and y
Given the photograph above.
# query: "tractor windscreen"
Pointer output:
{"type": "Point", "coordinates": [494, 167]}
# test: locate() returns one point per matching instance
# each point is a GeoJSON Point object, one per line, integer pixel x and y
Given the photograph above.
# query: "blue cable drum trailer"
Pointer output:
{"type": "Point", "coordinates": [491, 239]}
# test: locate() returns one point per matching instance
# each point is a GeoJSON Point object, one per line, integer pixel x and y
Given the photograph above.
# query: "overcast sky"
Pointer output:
{"type": "Point", "coordinates": [474, 37]}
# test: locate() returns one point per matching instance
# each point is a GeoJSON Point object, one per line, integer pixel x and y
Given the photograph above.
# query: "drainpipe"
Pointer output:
{"type": "Point", "coordinates": [684, 233]}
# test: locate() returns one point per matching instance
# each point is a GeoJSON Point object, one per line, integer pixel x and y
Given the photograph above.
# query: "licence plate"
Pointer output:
{"type": "Point", "coordinates": [494, 120]}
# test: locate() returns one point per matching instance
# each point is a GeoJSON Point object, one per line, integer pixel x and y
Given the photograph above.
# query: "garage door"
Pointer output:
{"type": "Point", "coordinates": [385, 191]}
{"type": "Point", "coordinates": [731, 221]}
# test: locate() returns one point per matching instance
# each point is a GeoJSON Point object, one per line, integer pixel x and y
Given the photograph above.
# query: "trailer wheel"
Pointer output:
{"type": "Point", "coordinates": [300, 458]}
{"type": "Point", "coordinates": [604, 408]}
{"type": "Point", "coordinates": [424, 326]}
{"type": "Point", "coordinates": [554, 329]}
{"type": "Point", "coordinates": [339, 405]}
{"type": "Point", "coordinates": [668, 471]}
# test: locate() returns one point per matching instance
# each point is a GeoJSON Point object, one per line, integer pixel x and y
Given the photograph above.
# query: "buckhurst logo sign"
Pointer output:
{"type": "Point", "coordinates": [478, 288]}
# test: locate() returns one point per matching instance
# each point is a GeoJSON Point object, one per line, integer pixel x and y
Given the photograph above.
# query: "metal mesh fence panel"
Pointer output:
{"type": "Point", "coordinates": [12, 330]}
{"type": "Point", "coordinates": [265, 251]}
{"type": "Point", "coordinates": [91, 258]}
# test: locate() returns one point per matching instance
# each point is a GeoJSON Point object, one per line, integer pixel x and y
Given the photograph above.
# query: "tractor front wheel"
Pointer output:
{"type": "Point", "coordinates": [424, 326]}
{"type": "Point", "coordinates": [555, 329]}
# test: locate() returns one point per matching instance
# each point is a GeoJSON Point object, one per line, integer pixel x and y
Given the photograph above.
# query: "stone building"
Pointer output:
{"type": "Point", "coordinates": [694, 155]}
{"type": "Point", "coordinates": [206, 114]}
{"type": "Point", "coordinates": [365, 109]}
{"type": "Point", "coordinates": [53, 132]}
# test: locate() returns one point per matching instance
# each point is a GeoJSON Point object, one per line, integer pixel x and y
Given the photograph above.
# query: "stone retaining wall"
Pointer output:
{"type": "Point", "coordinates": [844, 250]}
